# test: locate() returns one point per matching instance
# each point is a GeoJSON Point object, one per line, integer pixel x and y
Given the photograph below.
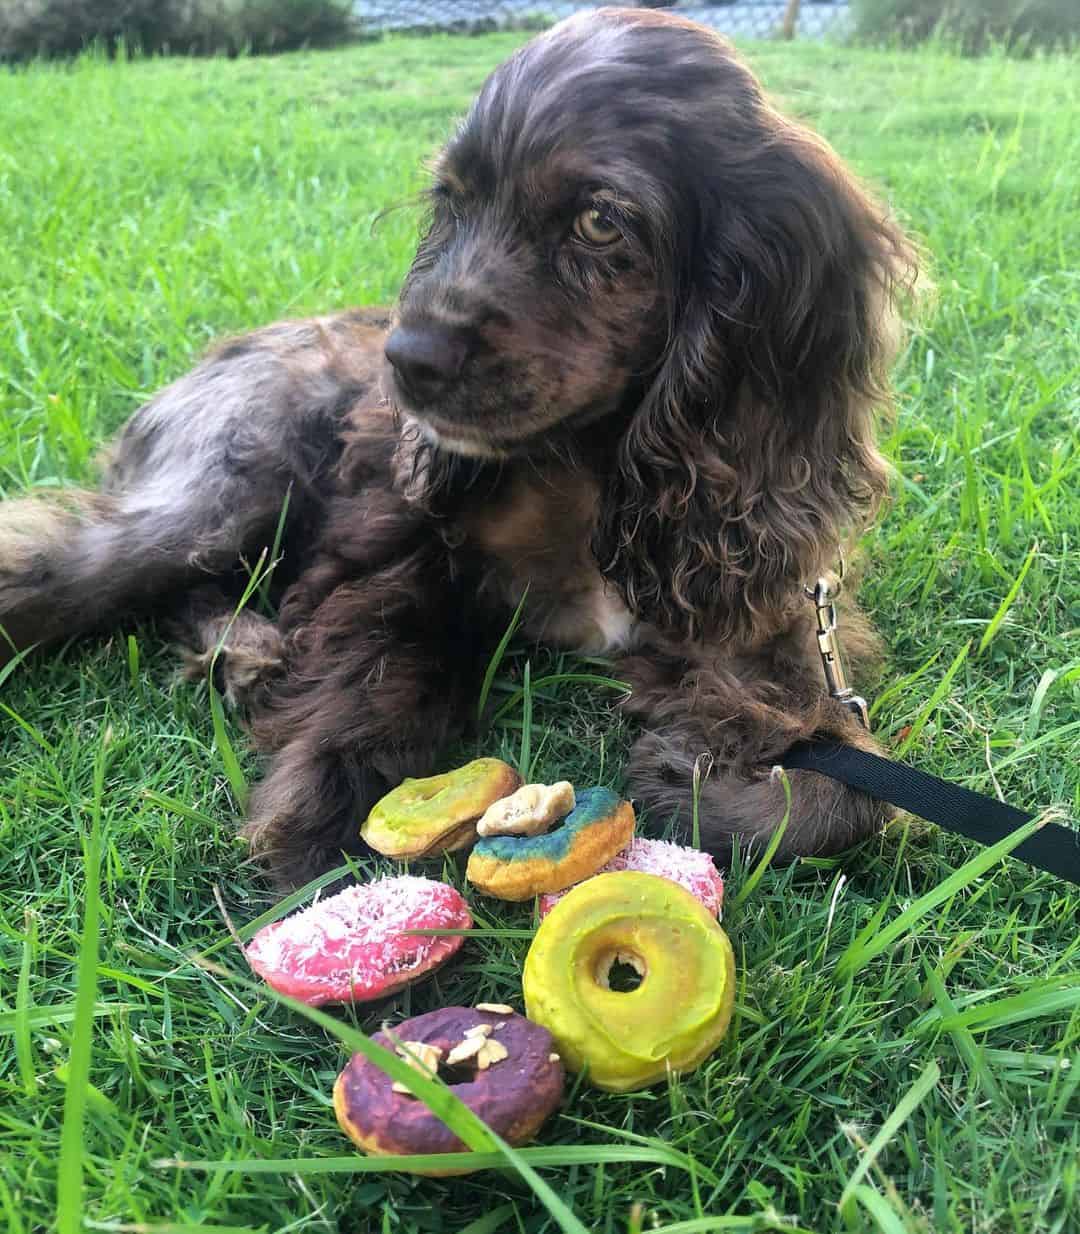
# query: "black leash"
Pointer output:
{"type": "Point", "coordinates": [1052, 848]}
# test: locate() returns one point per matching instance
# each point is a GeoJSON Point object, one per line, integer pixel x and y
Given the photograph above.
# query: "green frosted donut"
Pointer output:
{"type": "Point", "coordinates": [677, 1015]}
{"type": "Point", "coordinates": [421, 818]}
{"type": "Point", "coordinates": [520, 867]}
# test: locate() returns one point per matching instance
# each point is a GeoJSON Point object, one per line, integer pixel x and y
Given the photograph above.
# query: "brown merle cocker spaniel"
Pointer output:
{"type": "Point", "coordinates": [634, 368]}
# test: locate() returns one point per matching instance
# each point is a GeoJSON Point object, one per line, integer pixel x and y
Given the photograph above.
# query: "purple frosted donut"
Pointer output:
{"type": "Point", "coordinates": [513, 1084]}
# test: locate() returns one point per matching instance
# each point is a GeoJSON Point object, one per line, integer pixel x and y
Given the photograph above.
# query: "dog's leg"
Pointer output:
{"type": "Point", "coordinates": [245, 650]}
{"type": "Point", "coordinates": [738, 806]}
{"type": "Point", "coordinates": [196, 481]}
{"type": "Point", "coordinates": [743, 725]}
{"type": "Point", "coordinates": [381, 677]}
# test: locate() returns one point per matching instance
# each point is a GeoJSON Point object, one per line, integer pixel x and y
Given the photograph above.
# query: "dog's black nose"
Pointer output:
{"type": "Point", "coordinates": [428, 359]}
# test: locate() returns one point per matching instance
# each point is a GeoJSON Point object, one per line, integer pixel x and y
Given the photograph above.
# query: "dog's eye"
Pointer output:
{"type": "Point", "coordinates": [596, 228]}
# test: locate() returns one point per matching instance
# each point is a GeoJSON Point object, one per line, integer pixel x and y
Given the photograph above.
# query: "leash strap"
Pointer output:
{"type": "Point", "coordinates": [1053, 848]}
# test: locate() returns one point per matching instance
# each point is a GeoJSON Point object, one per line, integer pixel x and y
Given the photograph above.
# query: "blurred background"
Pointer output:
{"type": "Point", "coordinates": [750, 18]}
{"type": "Point", "coordinates": [30, 28]}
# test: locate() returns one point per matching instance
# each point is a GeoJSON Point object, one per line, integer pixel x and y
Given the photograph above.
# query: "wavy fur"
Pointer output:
{"type": "Point", "coordinates": [662, 437]}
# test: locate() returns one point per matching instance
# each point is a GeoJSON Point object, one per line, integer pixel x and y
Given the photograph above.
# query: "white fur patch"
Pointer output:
{"type": "Point", "coordinates": [458, 445]}
{"type": "Point", "coordinates": [613, 619]}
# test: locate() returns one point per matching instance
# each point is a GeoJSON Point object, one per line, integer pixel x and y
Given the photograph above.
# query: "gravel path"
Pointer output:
{"type": "Point", "coordinates": [760, 19]}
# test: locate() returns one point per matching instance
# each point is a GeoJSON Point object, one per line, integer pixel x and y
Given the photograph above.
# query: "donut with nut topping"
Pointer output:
{"type": "Point", "coordinates": [501, 1065]}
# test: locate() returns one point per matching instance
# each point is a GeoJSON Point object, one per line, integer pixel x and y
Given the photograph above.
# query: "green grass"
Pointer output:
{"type": "Point", "coordinates": [928, 1084]}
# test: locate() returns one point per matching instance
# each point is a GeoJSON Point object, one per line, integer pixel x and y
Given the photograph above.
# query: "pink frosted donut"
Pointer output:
{"type": "Point", "coordinates": [352, 947]}
{"type": "Point", "coordinates": [689, 867]}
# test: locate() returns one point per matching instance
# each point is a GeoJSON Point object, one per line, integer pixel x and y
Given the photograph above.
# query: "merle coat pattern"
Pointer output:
{"type": "Point", "coordinates": [635, 367]}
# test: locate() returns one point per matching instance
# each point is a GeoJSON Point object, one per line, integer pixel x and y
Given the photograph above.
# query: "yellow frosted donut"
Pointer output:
{"type": "Point", "coordinates": [677, 1015]}
{"type": "Point", "coordinates": [422, 818]}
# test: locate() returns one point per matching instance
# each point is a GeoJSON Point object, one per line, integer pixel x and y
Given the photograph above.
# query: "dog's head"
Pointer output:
{"type": "Point", "coordinates": [623, 228]}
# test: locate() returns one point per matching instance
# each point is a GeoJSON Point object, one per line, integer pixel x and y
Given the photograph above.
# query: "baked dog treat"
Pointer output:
{"type": "Point", "coordinates": [353, 947]}
{"type": "Point", "coordinates": [502, 1067]}
{"type": "Point", "coordinates": [677, 1014]}
{"type": "Point", "coordinates": [421, 818]}
{"type": "Point", "coordinates": [520, 867]}
{"type": "Point", "coordinates": [689, 867]}
{"type": "Point", "coordinates": [529, 811]}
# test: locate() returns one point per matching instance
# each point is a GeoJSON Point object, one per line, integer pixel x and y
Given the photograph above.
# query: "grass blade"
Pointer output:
{"type": "Point", "coordinates": [672, 1156]}
{"type": "Point", "coordinates": [871, 928]}
{"type": "Point", "coordinates": [170, 1227]}
{"type": "Point", "coordinates": [490, 1222]}
{"type": "Point", "coordinates": [133, 664]}
{"type": "Point", "coordinates": [69, 1181]}
{"type": "Point", "coordinates": [772, 846]}
{"type": "Point", "coordinates": [757, 1222]}
{"type": "Point", "coordinates": [1010, 596]}
{"type": "Point", "coordinates": [24, 1054]}
{"type": "Point", "coordinates": [29, 729]}
{"type": "Point", "coordinates": [884, 1216]}
{"type": "Point", "coordinates": [703, 765]}
{"type": "Point", "coordinates": [525, 756]}
{"type": "Point", "coordinates": [556, 1155]}
{"type": "Point", "coordinates": [294, 900]}
{"type": "Point", "coordinates": [281, 909]}
{"type": "Point", "coordinates": [966, 1046]}
{"type": "Point", "coordinates": [56, 1013]}
{"type": "Point", "coordinates": [233, 771]}
{"type": "Point", "coordinates": [1017, 1009]}
{"type": "Point", "coordinates": [1038, 699]}
{"type": "Point", "coordinates": [907, 1104]}
{"type": "Point", "coordinates": [933, 702]}
{"type": "Point", "coordinates": [497, 656]}
{"type": "Point", "coordinates": [862, 950]}
{"type": "Point", "coordinates": [172, 806]}
{"type": "Point", "coordinates": [903, 684]}
{"type": "Point", "coordinates": [1029, 747]}
{"type": "Point", "coordinates": [275, 550]}
{"type": "Point", "coordinates": [17, 658]}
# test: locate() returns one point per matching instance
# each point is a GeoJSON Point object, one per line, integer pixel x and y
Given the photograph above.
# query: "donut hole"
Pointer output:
{"type": "Point", "coordinates": [620, 971]}
{"type": "Point", "coordinates": [466, 1071]}
{"type": "Point", "coordinates": [460, 1073]}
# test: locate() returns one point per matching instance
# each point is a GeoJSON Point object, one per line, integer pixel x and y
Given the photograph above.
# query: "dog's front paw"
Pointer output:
{"type": "Point", "coordinates": [305, 815]}
{"type": "Point", "coordinates": [246, 657]}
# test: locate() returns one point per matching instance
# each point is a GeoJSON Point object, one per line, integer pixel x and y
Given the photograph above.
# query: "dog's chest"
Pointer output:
{"type": "Point", "coordinates": [536, 534]}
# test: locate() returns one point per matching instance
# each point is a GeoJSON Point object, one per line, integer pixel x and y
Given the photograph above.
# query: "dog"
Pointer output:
{"type": "Point", "coordinates": [634, 370]}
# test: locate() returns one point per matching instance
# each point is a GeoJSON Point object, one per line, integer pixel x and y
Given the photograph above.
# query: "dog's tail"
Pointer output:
{"type": "Point", "coordinates": [62, 570]}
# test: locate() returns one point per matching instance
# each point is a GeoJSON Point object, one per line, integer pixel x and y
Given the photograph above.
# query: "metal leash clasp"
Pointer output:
{"type": "Point", "coordinates": [824, 598]}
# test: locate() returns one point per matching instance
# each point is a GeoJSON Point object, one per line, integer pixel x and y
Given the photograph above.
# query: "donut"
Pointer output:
{"type": "Point", "coordinates": [519, 867]}
{"type": "Point", "coordinates": [677, 1014]}
{"type": "Point", "coordinates": [502, 1067]}
{"type": "Point", "coordinates": [421, 818]}
{"type": "Point", "coordinates": [689, 867]}
{"type": "Point", "coordinates": [352, 947]}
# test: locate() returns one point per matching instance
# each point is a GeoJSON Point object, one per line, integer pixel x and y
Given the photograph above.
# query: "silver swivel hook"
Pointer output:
{"type": "Point", "coordinates": [824, 598]}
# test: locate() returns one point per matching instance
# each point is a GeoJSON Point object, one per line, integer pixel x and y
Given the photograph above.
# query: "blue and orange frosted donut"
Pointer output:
{"type": "Point", "coordinates": [520, 867]}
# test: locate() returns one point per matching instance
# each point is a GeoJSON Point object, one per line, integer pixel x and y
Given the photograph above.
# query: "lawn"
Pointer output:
{"type": "Point", "coordinates": [147, 208]}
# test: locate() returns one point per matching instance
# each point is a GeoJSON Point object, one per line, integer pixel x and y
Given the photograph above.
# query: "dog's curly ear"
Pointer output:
{"type": "Point", "coordinates": [752, 453]}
